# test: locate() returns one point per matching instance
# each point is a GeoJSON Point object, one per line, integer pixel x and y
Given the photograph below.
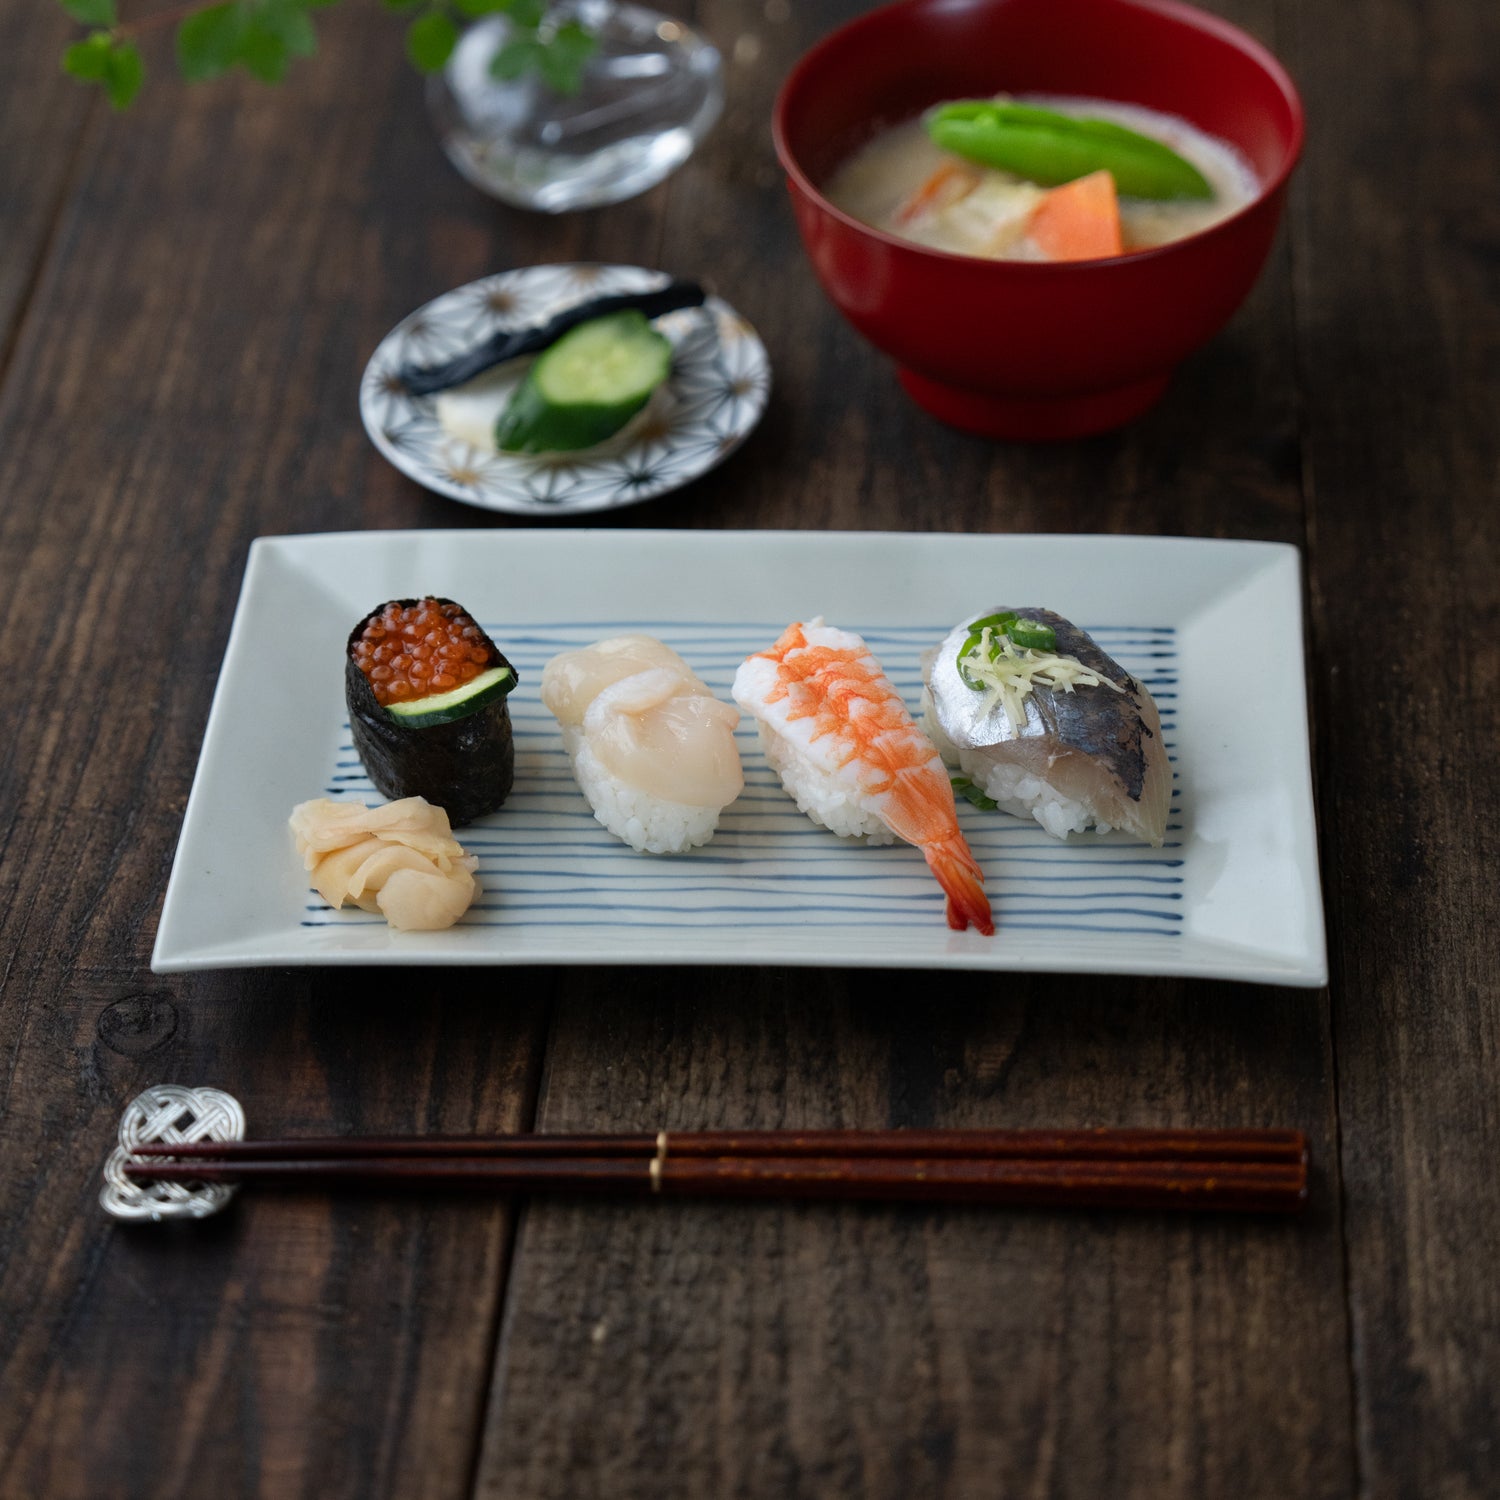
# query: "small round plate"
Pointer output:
{"type": "Point", "coordinates": [714, 396]}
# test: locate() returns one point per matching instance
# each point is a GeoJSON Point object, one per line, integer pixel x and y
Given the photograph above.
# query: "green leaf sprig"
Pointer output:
{"type": "Point", "coordinates": [264, 37]}
{"type": "Point", "coordinates": [967, 789]}
{"type": "Point", "coordinates": [103, 56]}
{"type": "Point", "coordinates": [556, 51]}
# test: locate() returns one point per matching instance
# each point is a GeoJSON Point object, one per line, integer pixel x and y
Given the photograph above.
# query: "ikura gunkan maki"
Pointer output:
{"type": "Point", "coordinates": [426, 689]}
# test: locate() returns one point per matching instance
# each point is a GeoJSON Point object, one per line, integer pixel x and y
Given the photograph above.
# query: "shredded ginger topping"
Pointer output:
{"type": "Point", "coordinates": [1011, 672]}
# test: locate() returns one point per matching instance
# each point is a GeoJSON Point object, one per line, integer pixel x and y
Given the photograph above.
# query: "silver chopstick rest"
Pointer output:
{"type": "Point", "coordinates": [167, 1112]}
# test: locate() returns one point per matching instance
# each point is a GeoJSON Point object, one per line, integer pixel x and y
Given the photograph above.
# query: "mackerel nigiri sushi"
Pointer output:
{"type": "Point", "coordinates": [836, 731]}
{"type": "Point", "coordinates": [426, 690]}
{"type": "Point", "coordinates": [1047, 726]}
{"type": "Point", "coordinates": [651, 747]}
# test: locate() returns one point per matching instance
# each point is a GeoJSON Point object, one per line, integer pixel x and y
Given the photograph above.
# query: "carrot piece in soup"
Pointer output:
{"type": "Point", "coordinates": [952, 181]}
{"type": "Point", "coordinates": [1079, 220]}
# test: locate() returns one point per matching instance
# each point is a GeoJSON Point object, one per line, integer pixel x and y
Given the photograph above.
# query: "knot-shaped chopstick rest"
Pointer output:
{"type": "Point", "coordinates": [174, 1115]}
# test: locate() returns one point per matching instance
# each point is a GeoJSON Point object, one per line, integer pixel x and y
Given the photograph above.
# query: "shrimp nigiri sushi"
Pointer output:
{"type": "Point", "coordinates": [853, 759]}
{"type": "Point", "coordinates": [651, 747]}
{"type": "Point", "coordinates": [1047, 725]}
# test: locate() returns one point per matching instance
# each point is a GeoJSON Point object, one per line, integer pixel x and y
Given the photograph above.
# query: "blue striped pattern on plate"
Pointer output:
{"type": "Point", "coordinates": [545, 861]}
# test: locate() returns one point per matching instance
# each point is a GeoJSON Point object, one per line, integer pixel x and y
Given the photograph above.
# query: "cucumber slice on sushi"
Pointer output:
{"type": "Point", "coordinates": [445, 708]}
{"type": "Point", "coordinates": [586, 387]}
{"type": "Point", "coordinates": [426, 690]}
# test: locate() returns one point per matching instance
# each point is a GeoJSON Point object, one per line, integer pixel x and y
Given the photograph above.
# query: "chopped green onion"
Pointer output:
{"type": "Point", "coordinates": [999, 623]}
{"type": "Point", "coordinates": [995, 622]}
{"type": "Point", "coordinates": [1029, 635]}
{"type": "Point", "coordinates": [1033, 635]}
{"type": "Point", "coordinates": [1010, 662]}
{"type": "Point", "coordinates": [969, 645]}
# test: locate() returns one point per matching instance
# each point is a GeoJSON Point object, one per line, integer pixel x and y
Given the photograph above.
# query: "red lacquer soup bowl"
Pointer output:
{"type": "Point", "coordinates": [1021, 349]}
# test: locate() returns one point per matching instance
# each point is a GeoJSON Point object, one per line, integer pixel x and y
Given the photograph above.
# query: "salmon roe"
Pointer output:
{"type": "Point", "coordinates": [417, 650]}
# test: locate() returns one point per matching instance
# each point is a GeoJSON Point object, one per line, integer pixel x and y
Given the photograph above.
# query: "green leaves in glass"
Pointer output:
{"type": "Point", "coordinates": [559, 56]}
{"type": "Point", "coordinates": [517, 57]}
{"type": "Point", "coordinates": [1052, 148]}
{"type": "Point", "coordinates": [430, 40]}
{"type": "Point", "coordinates": [564, 56]}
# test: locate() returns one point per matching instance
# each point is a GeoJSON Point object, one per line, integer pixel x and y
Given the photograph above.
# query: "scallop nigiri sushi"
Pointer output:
{"type": "Point", "coordinates": [853, 759]}
{"type": "Point", "coordinates": [1047, 725]}
{"type": "Point", "coordinates": [651, 747]}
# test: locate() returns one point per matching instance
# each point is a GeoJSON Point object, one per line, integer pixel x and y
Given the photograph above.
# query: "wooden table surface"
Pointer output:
{"type": "Point", "coordinates": [187, 296]}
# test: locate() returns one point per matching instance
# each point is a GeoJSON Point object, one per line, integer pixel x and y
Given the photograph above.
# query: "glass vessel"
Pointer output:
{"type": "Point", "coordinates": [650, 93]}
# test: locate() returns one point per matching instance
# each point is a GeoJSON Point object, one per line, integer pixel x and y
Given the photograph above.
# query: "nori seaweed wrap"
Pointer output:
{"type": "Point", "coordinates": [443, 731]}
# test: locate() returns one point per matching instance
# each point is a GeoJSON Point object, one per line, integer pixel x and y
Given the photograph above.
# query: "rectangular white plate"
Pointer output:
{"type": "Point", "coordinates": [1214, 629]}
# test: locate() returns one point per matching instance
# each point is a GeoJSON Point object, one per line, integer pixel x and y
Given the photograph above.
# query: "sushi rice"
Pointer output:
{"type": "Point", "coordinates": [1013, 789]}
{"type": "Point", "coordinates": [650, 825]}
{"type": "Point", "coordinates": [833, 799]}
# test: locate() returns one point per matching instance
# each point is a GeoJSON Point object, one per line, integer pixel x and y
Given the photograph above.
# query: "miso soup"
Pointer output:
{"type": "Point", "coordinates": [906, 184]}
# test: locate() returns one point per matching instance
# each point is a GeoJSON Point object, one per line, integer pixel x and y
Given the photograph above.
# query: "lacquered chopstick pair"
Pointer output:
{"type": "Point", "coordinates": [1233, 1170]}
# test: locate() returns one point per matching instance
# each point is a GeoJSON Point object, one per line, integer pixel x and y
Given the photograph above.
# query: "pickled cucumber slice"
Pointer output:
{"type": "Point", "coordinates": [586, 387]}
{"type": "Point", "coordinates": [456, 703]}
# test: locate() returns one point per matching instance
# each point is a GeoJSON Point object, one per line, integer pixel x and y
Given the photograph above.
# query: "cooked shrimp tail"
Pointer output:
{"type": "Point", "coordinates": [921, 811]}
{"type": "Point", "coordinates": [963, 880]}
{"type": "Point", "coordinates": [837, 733]}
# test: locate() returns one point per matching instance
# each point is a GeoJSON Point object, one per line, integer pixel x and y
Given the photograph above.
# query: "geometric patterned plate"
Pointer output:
{"type": "Point", "coordinates": [714, 396]}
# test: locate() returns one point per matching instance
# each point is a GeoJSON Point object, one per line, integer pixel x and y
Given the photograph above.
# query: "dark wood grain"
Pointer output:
{"type": "Point", "coordinates": [291, 1347]}
{"type": "Point", "coordinates": [818, 1351]}
{"type": "Point", "coordinates": [43, 116]}
{"type": "Point", "coordinates": [685, 1350]}
{"type": "Point", "coordinates": [185, 381]}
{"type": "Point", "coordinates": [187, 296]}
{"type": "Point", "coordinates": [1398, 247]}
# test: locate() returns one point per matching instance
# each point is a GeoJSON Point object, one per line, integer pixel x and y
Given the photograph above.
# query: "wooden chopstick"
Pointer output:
{"type": "Point", "coordinates": [1104, 1144]}
{"type": "Point", "coordinates": [1067, 1178]}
